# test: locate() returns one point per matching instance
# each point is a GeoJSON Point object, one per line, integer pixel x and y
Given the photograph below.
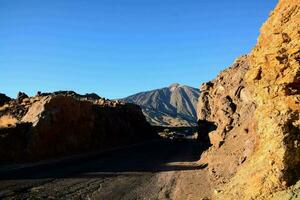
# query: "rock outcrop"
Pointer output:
{"type": "Point", "coordinates": [225, 112]}
{"type": "Point", "coordinates": [63, 123]}
{"type": "Point", "coordinates": [256, 149]}
{"type": "Point", "coordinates": [226, 103]}
{"type": "Point", "coordinates": [3, 99]}
{"type": "Point", "coordinates": [21, 96]}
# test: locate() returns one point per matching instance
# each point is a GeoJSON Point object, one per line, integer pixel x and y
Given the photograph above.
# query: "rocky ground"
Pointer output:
{"type": "Point", "coordinates": [160, 169]}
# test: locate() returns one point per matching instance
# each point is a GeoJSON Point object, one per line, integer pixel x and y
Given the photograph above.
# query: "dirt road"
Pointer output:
{"type": "Point", "coordinates": [148, 171]}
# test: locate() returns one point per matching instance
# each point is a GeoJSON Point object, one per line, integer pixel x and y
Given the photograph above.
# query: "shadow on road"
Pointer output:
{"type": "Point", "coordinates": [151, 157]}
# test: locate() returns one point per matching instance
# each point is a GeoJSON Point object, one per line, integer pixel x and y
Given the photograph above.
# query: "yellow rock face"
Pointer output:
{"type": "Point", "coordinates": [274, 79]}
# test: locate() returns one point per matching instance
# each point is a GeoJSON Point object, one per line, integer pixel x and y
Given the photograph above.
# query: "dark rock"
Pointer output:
{"type": "Point", "coordinates": [21, 96]}
{"type": "Point", "coordinates": [65, 123]}
{"type": "Point", "coordinates": [4, 99]}
{"type": "Point", "coordinates": [92, 96]}
{"type": "Point", "coordinates": [39, 93]}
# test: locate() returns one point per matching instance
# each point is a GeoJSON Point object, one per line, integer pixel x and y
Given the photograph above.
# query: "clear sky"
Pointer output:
{"type": "Point", "coordinates": [119, 47]}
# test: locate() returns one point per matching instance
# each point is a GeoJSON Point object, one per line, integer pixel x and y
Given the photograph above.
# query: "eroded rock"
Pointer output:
{"type": "Point", "coordinates": [265, 127]}
{"type": "Point", "coordinates": [4, 99]}
{"type": "Point", "coordinates": [67, 123]}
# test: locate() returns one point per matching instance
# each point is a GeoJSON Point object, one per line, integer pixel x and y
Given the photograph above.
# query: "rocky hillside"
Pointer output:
{"type": "Point", "coordinates": [3, 99]}
{"type": "Point", "coordinates": [63, 123]}
{"type": "Point", "coordinates": [170, 106]}
{"type": "Point", "coordinates": [251, 113]}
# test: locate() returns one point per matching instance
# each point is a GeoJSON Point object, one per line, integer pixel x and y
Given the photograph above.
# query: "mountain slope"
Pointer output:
{"type": "Point", "coordinates": [170, 106]}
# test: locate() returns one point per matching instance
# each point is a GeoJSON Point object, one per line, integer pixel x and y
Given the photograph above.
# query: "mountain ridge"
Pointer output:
{"type": "Point", "coordinates": [174, 105]}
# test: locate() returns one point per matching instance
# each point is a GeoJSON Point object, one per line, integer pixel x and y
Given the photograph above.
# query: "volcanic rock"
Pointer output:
{"type": "Point", "coordinates": [256, 111]}
{"type": "Point", "coordinates": [4, 99]}
{"type": "Point", "coordinates": [21, 96]}
{"type": "Point", "coordinates": [225, 111]}
{"type": "Point", "coordinates": [67, 123]}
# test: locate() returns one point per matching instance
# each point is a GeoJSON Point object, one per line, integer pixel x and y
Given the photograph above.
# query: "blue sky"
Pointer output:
{"type": "Point", "coordinates": [119, 47]}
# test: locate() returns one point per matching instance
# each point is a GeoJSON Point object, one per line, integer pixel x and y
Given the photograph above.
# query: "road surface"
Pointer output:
{"type": "Point", "coordinates": [146, 171]}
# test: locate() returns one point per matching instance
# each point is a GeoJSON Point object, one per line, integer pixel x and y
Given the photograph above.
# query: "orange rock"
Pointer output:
{"type": "Point", "coordinates": [272, 85]}
{"type": "Point", "coordinates": [62, 123]}
{"type": "Point", "coordinates": [273, 79]}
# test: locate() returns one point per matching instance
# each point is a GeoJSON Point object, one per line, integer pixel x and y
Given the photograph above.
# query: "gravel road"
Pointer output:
{"type": "Point", "coordinates": [146, 171]}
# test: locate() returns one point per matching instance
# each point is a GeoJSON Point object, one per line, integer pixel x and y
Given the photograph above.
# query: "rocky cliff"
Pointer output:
{"type": "Point", "coordinates": [170, 106]}
{"type": "Point", "coordinates": [254, 106]}
{"type": "Point", "coordinates": [62, 123]}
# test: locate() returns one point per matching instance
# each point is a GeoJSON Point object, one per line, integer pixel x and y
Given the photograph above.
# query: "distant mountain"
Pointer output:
{"type": "Point", "coordinates": [170, 106]}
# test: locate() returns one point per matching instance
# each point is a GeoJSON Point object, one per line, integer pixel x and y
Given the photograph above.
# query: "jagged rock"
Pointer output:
{"type": "Point", "coordinates": [291, 193]}
{"type": "Point", "coordinates": [274, 82]}
{"type": "Point", "coordinates": [4, 99]}
{"type": "Point", "coordinates": [261, 152]}
{"type": "Point", "coordinates": [39, 93]}
{"type": "Point", "coordinates": [92, 96]}
{"type": "Point", "coordinates": [67, 123]}
{"type": "Point", "coordinates": [223, 115]}
{"type": "Point", "coordinates": [21, 96]}
{"type": "Point", "coordinates": [220, 102]}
